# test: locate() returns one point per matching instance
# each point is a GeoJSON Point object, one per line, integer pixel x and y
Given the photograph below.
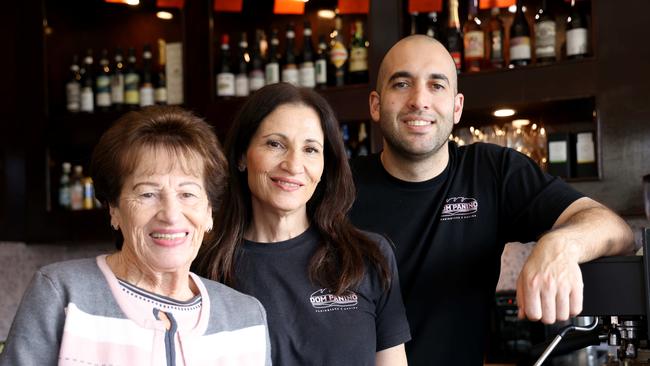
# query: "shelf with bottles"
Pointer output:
{"type": "Point", "coordinates": [528, 34]}
{"type": "Point", "coordinates": [561, 136]}
{"type": "Point", "coordinates": [317, 49]}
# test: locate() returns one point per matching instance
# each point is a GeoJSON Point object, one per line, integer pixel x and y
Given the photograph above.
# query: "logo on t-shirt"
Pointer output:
{"type": "Point", "coordinates": [324, 300]}
{"type": "Point", "coordinates": [459, 208]}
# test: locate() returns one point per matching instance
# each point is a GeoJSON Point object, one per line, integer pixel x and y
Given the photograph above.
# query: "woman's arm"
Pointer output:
{"type": "Point", "coordinates": [394, 356]}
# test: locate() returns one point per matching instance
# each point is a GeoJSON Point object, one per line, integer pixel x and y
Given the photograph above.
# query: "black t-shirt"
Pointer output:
{"type": "Point", "coordinates": [449, 233]}
{"type": "Point", "coordinates": [308, 325]}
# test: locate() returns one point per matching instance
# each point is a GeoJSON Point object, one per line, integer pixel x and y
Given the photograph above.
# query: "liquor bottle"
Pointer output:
{"type": "Point", "coordinates": [453, 36]}
{"type": "Point", "coordinates": [433, 28]}
{"type": "Point", "coordinates": [338, 55]}
{"type": "Point", "coordinates": [88, 193]}
{"type": "Point", "coordinates": [103, 83]}
{"type": "Point", "coordinates": [307, 73]}
{"type": "Point", "coordinates": [225, 76]}
{"type": "Point", "coordinates": [76, 188]}
{"type": "Point", "coordinates": [131, 81]}
{"type": "Point", "coordinates": [272, 68]}
{"type": "Point", "coordinates": [321, 63]}
{"type": "Point", "coordinates": [117, 80]}
{"type": "Point", "coordinates": [473, 40]}
{"type": "Point", "coordinates": [73, 87]}
{"type": "Point", "coordinates": [87, 94]}
{"type": "Point", "coordinates": [290, 72]}
{"type": "Point", "coordinates": [64, 186]}
{"type": "Point", "coordinates": [496, 34]}
{"type": "Point", "coordinates": [160, 92]}
{"type": "Point", "coordinates": [146, 84]}
{"type": "Point", "coordinates": [358, 65]}
{"type": "Point", "coordinates": [519, 39]}
{"type": "Point", "coordinates": [241, 78]}
{"type": "Point", "coordinates": [576, 33]}
{"type": "Point", "coordinates": [544, 35]}
{"type": "Point", "coordinates": [256, 74]}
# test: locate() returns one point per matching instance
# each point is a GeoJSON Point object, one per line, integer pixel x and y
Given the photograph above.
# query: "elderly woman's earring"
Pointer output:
{"type": "Point", "coordinates": [115, 227]}
{"type": "Point", "coordinates": [241, 167]}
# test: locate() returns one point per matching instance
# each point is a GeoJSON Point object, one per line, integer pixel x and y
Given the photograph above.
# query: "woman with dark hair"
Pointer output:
{"type": "Point", "coordinates": [161, 173]}
{"type": "Point", "coordinates": [331, 291]}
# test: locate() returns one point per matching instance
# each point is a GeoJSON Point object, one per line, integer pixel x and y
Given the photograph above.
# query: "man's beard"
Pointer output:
{"type": "Point", "coordinates": [407, 152]}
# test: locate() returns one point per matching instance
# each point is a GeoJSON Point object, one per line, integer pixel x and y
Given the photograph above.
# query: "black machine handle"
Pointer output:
{"type": "Point", "coordinates": [558, 338]}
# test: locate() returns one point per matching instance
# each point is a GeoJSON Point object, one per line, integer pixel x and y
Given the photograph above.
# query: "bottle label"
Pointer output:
{"type": "Point", "coordinates": [160, 95]}
{"type": "Point", "coordinates": [290, 75]}
{"type": "Point", "coordinates": [131, 93]}
{"type": "Point", "coordinates": [338, 55]}
{"type": "Point", "coordinates": [76, 196]}
{"type": "Point", "coordinates": [576, 42]}
{"type": "Point", "coordinates": [272, 73]}
{"type": "Point", "coordinates": [103, 99]}
{"type": "Point", "coordinates": [457, 61]}
{"type": "Point", "coordinates": [545, 39]}
{"type": "Point", "coordinates": [89, 196]}
{"type": "Point", "coordinates": [520, 48]}
{"type": "Point", "coordinates": [146, 95]}
{"type": "Point", "coordinates": [241, 85]}
{"type": "Point", "coordinates": [117, 88]}
{"type": "Point", "coordinates": [496, 41]}
{"type": "Point", "coordinates": [256, 80]}
{"type": "Point", "coordinates": [557, 152]}
{"type": "Point", "coordinates": [226, 84]}
{"type": "Point", "coordinates": [474, 45]}
{"type": "Point", "coordinates": [358, 59]}
{"type": "Point", "coordinates": [321, 72]}
{"type": "Point", "coordinates": [87, 102]}
{"type": "Point", "coordinates": [585, 153]}
{"type": "Point", "coordinates": [73, 95]}
{"type": "Point", "coordinates": [307, 75]}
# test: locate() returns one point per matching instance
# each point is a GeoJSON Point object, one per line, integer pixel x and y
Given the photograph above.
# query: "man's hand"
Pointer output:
{"type": "Point", "coordinates": [549, 286]}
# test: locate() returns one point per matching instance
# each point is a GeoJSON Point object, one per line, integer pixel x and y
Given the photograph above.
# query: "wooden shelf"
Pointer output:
{"type": "Point", "coordinates": [77, 226]}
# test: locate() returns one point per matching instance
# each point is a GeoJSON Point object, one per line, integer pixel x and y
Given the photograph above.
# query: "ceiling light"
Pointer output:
{"type": "Point", "coordinates": [519, 123]}
{"type": "Point", "coordinates": [165, 15]}
{"type": "Point", "coordinates": [326, 14]}
{"type": "Point", "coordinates": [505, 112]}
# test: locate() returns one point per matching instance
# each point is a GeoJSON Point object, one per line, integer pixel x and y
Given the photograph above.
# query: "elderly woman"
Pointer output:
{"type": "Point", "coordinates": [161, 173]}
{"type": "Point", "coordinates": [331, 292]}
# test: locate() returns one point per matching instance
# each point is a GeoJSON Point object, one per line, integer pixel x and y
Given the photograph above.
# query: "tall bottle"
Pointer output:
{"type": "Point", "coordinates": [117, 80]}
{"type": "Point", "coordinates": [87, 81]}
{"type": "Point", "coordinates": [272, 68]}
{"type": "Point", "coordinates": [225, 75]}
{"type": "Point", "coordinates": [241, 78]}
{"type": "Point", "coordinates": [473, 40]}
{"type": "Point", "coordinates": [160, 92]}
{"type": "Point", "coordinates": [338, 55]}
{"type": "Point", "coordinates": [64, 186]}
{"type": "Point", "coordinates": [433, 28]}
{"type": "Point", "coordinates": [307, 73]}
{"type": "Point", "coordinates": [453, 36]}
{"type": "Point", "coordinates": [321, 63]}
{"type": "Point", "coordinates": [76, 188]}
{"type": "Point", "coordinates": [146, 85]}
{"type": "Point", "coordinates": [103, 83]}
{"type": "Point", "coordinates": [256, 74]}
{"type": "Point", "coordinates": [131, 81]}
{"type": "Point", "coordinates": [73, 87]}
{"type": "Point", "coordinates": [577, 36]}
{"type": "Point", "coordinates": [358, 65]}
{"type": "Point", "coordinates": [545, 29]}
{"type": "Point", "coordinates": [290, 72]}
{"type": "Point", "coordinates": [519, 39]}
{"type": "Point", "coordinates": [496, 36]}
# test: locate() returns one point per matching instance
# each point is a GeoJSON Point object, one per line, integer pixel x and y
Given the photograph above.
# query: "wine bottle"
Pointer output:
{"type": "Point", "coordinates": [307, 74]}
{"type": "Point", "coordinates": [576, 33]}
{"type": "Point", "coordinates": [433, 28]}
{"type": "Point", "coordinates": [103, 83]}
{"type": "Point", "coordinates": [473, 40]}
{"type": "Point", "coordinates": [544, 35]}
{"type": "Point", "coordinates": [117, 80]}
{"type": "Point", "coordinates": [519, 39]}
{"type": "Point", "coordinates": [225, 76]}
{"type": "Point", "coordinates": [256, 73]}
{"type": "Point", "coordinates": [272, 68]}
{"type": "Point", "coordinates": [358, 65]}
{"type": "Point", "coordinates": [241, 77]}
{"type": "Point", "coordinates": [496, 34]}
{"type": "Point", "coordinates": [290, 72]}
{"type": "Point", "coordinates": [131, 81]}
{"type": "Point", "coordinates": [146, 86]}
{"type": "Point", "coordinates": [338, 55]}
{"type": "Point", "coordinates": [73, 87]}
{"type": "Point", "coordinates": [453, 35]}
{"type": "Point", "coordinates": [87, 81]}
{"type": "Point", "coordinates": [321, 63]}
{"type": "Point", "coordinates": [160, 93]}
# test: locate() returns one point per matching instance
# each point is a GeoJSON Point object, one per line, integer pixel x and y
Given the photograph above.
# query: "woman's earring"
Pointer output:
{"type": "Point", "coordinates": [115, 227]}
{"type": "Point", "coordinates": [208, 229]}
{"type": "Point", "coordinates": [241, 167]}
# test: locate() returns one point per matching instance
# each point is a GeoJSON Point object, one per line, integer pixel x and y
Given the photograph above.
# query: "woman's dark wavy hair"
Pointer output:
{"type": "Point", "coordinates": [172, 129]}
{"type": "Point", "coordinates": [339, 262]}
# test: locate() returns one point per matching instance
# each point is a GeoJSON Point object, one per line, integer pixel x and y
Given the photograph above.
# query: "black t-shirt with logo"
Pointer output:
{"type": "Point", "coordinates": [449, 233]}
{"type": "Point", "coordinates": [308, 325]}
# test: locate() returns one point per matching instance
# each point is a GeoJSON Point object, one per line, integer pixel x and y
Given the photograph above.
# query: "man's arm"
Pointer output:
{"type": "Point", "coordinates": [550, 284]}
